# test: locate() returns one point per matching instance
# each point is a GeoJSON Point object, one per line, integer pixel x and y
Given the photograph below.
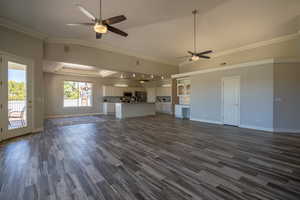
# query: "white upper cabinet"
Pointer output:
{"type": "Point", "coordinates": [111, 91]}
{"type": "Point", "coordinates": [151, 95]}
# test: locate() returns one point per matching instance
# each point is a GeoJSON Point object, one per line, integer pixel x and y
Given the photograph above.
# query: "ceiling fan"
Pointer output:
{"type": "Point", "coordinates": [101, 26]}
{"type": "Point", "coordinates": [194, 56]}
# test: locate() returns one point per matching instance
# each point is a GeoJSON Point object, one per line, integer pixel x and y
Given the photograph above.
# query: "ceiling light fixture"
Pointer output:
{"type": "Point", "coordinates": [195, 58]}
{"type": "Point", "coordinates": [100, 28]}
{"type": "Point", "coordinates": [166, 85]}
{"type": "Point", "coordinates": [120, 85]}
{"type": "Point", "coordinates": [105, 73]}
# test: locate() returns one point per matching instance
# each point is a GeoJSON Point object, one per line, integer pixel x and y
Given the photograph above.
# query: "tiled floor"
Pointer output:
{"type": "Point", "coordinates": [151, 158]}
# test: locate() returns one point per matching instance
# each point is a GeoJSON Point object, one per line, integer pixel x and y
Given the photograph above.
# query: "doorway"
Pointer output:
{"type": "Point", "coordinates": [231, 100]}
{"type": "Point", "coordinates": [16, 96]}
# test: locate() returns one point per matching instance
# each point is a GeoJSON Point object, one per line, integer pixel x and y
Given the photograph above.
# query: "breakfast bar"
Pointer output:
{"type": "Point", "coordinates": [128, 110]}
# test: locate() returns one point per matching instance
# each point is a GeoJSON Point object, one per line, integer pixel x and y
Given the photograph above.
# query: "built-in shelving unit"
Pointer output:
{"type": "Point", "coordinates": [183, 87]}
{"type": "Point", "coordinates": [184, 90]}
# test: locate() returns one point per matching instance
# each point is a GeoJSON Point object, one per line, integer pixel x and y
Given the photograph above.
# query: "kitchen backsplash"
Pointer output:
{"type": "Point", "coordinates": [163, 99]}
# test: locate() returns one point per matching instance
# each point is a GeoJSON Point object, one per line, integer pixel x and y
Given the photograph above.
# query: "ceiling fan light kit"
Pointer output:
{"type": "Point", "coordinates": [101, 26]}
{"type": "Point", "coordinates": [195, 58]}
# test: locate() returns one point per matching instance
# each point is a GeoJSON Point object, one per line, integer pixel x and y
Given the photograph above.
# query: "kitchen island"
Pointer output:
{"type": "Point", "coordinates": [127, 110]}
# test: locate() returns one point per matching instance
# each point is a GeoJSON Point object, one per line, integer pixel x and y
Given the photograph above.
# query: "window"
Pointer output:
{"type": "Point", "coordinates": [77, 94]}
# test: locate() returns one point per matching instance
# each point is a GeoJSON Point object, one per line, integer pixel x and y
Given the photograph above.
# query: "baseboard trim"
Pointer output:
{"type": "Point", "coordinates": [37, 130]}
{"type": "Point", "coordinates": [206, 121]}
{"type": "Point", "coordinates": [257, 128]}
{"type": "Point", "coordinates": [72, 115]}
{"type": "Point", "coordinates": [279, 130]}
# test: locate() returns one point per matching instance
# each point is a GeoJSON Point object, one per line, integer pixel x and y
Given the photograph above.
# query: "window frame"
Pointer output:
{"type": "Point", "coordinates": [91, 96]}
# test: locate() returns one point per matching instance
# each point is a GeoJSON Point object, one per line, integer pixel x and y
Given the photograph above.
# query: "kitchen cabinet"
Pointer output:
{"type": "Point", "coordinates": [182, 111]}
{"type": "Point", "coordinates": [164, 107]}
{"type": "Point", "coordinates": [151, 95]}
{"type": "Point", "coordinates": [111, 91]}
{"type": "Point", "coordinates": [108, 108]}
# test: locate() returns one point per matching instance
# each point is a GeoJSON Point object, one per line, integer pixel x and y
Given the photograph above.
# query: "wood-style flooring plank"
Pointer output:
{"type": "Point", "coordinates": [149, 158]}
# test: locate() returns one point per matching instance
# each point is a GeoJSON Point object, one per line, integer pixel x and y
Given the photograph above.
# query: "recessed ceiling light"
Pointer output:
{"type": "Point", "coordinates": [77, 66]}
{"type": "Point", "coordinates": [105, 73]}
{"type": "Point", "coordinates": [166, 85]}
{"type": "Point", "coordinates": [120, 85]}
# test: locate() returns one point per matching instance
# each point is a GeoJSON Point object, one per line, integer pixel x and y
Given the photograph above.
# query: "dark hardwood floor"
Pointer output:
{"type": "Point", "coordinates": [149, 158]}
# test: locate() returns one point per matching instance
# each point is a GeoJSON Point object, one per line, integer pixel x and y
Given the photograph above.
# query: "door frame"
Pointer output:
{"type": "Point", "coordinates": [239, 98]}
{"type": "Point", "coordinates": [7, 134]}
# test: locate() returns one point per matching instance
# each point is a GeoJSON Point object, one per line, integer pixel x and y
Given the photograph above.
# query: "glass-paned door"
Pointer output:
{"type": "Point", "coordinates": [16, 102]}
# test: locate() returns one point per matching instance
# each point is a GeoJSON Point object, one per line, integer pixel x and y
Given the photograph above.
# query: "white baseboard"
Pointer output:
{"type": "Point", "coordinates": [282, 130]}
{"type": "Point", "coordinates": [36, 130]}
{"type": "Point", "coordinates": [207, 121]}
{"type": "Point", "coordinates": [257, 128]}
{"type": "Point", "coordinates": [72, 115]}
{"type": "Point", "coordinates": [241, 126]}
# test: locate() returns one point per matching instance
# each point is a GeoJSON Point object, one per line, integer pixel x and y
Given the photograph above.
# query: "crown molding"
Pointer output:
{"type": "Point", "coordinates": [241, 65]}
{"type": "Point", "coordinates": [107, 47]}
{"type": "Point", "coordinates": [22, 29]}
{"type": "Point", "coordinates": [259, 44]}
{"type": "Point", "coordinates": [252, 46]}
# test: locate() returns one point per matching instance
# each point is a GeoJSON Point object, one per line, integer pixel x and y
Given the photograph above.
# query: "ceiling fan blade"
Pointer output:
{"type": "Point", "coordinates": [98, 35]}
{"type": "Point", "coordinates": [204, 52]}
{"type": "Point", "coordinates": [206, 57]}
{"type": "Point", "coordinates": [81, 24]}
{"type": "Point", "coordinates": [114, 20]}
{"type": "Point", "coordinates": [191, 53]}
{"type": "Point", "coordinates": [117, 31]}
{"type": "Point", "coordinates": [86, 12]}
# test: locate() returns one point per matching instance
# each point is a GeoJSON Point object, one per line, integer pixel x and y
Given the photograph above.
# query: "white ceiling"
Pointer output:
{"type": "Point", "coordinates": [162, 29]}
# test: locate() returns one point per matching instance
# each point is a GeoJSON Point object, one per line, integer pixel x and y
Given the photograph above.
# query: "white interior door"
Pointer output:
{"type": "Point", "coordinates": [16, 97]}
{"type": "Point", "coordinates": [2, 117]}
{"type": "Point", "coordinates": [231, 101]}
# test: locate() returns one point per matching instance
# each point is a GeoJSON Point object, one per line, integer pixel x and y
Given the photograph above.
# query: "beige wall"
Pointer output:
{"type": "Point", "coordinates": [105, 59]}
{"type": "Point", "coordinates": [256, 96]}
{"type": "Point", "coordinates": [287, 96]}
{"type": "Point", "coordinates": [287, 49]}
{"type": "Point", "coordinates": [24, 46]}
